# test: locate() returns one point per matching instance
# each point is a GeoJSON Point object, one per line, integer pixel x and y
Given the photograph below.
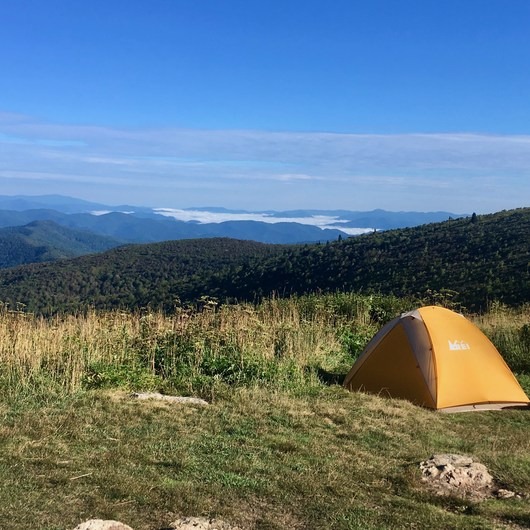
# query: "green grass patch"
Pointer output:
{"type": "Point", "coordinates": [261, 459]}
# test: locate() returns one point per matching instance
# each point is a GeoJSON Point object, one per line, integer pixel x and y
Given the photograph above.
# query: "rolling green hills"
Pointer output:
{"type": "Point", "coordinates": [156, 274]}
{"type": "Point", "coordinates": [42, 241]}
{"type": "Point", "coordinates": [481, 258]}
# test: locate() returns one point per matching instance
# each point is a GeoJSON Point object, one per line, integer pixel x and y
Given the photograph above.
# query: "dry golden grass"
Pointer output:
{"type": "Point", "coordinates": [502, 316]}
{"type": "Point", "coordinates": [61, 349]}
{"type": "Point", "coordinates": [296, 334]}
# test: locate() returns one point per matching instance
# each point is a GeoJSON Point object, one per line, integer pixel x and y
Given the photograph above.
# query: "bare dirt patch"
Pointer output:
{"type": "Point", "coordinates": [201, 523]}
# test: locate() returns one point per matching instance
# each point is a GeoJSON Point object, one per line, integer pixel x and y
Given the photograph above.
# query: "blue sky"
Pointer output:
{"type": "Point", "coordinates": [402, 105]}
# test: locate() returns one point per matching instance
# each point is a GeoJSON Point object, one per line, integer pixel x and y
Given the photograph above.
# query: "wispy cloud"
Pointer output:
{"type": "Point", "coordinates": [262, 170]}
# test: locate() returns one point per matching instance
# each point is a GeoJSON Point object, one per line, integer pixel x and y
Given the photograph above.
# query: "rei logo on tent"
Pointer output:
{"type": "Point", "coordinates": [458, 345]}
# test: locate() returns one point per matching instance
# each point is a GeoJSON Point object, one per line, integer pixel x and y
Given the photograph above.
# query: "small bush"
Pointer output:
{"type": "Point", "coordinates": [102, 375]}
{"type": "Point", "coordinates": [354, 341]}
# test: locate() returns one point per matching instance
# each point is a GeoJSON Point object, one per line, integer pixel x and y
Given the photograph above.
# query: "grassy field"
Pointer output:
{"type": "Point", "coordinates": [279, 447]}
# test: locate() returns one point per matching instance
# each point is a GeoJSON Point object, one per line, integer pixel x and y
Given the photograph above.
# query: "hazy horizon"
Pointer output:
{"type": "Point", "coordinates": [323, 219]}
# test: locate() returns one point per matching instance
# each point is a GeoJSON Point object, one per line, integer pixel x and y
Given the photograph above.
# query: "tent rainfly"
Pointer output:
{"type": "Point", "coordinates": [436, 358]}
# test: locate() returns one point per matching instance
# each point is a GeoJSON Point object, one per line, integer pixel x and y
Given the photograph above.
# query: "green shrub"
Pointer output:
{"type": "Point", "coordinates": [129, 377]}
{"type": "Point", "coordinates": [354, 341]}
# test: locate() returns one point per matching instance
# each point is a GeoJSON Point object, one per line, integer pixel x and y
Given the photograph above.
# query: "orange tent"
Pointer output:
{"type": "Point", "coordinates": [438, 359]}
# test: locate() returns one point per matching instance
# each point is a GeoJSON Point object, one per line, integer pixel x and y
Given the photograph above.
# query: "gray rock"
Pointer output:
{"type": "Point", "coordinates": [458, 475]}
{"type": "Point", "coordinates": [100, 524]}
{"type": "Point", "coordinates": [172, 399]}
{"type": "Point", "coordinates": [450, 459]}
{"type": "Point", "coordinates": [505, 494]}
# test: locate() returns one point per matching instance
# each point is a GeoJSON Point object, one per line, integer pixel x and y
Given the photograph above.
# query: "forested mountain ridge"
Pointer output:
{"type": "Point", "coordinates": [482, 258]}
{"type": "Point", "coordinates": [156, 274]}
{"type": "Point", "coordinates": [42, 241]}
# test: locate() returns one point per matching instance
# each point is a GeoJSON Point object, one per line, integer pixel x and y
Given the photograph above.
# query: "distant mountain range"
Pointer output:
{"type": "Point", "coordinates": [95, 226]}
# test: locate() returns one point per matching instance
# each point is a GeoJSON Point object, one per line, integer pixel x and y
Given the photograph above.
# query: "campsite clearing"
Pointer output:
{"type": "Point", "coordinates": [281, 445]}
{"type": "Point", "coordinates": [258, 459]}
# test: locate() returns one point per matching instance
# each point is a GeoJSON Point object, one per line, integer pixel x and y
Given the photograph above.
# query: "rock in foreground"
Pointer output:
{"type": "Point", "coordinates": [100, 524]}
{"type": "Point", "coordinates": [450, 474]}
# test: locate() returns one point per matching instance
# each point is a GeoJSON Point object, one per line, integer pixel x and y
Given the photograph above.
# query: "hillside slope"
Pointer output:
{"type": "Point", "coordinates": [158, 274]}
{"type": "Point", "coordinates": [42, 241]}
{"type": "Point", "coordinates": [482, 258]}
